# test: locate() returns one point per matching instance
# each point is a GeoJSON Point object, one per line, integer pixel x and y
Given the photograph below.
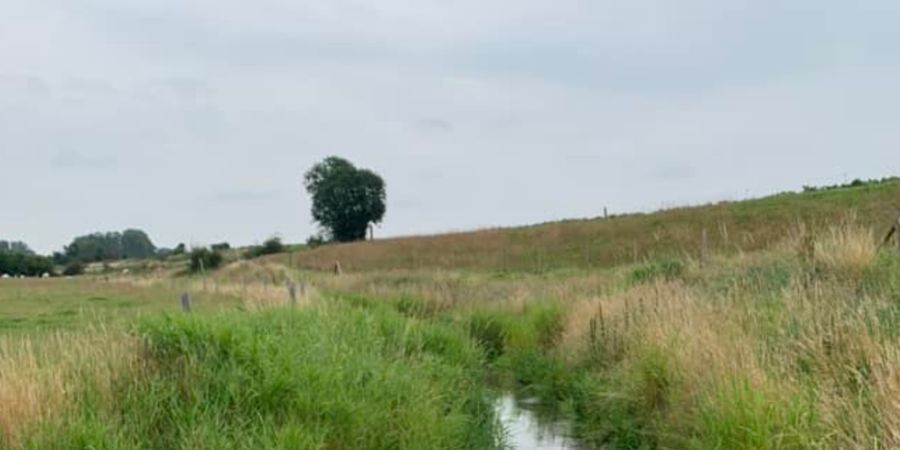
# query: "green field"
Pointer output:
{"type": "Point", "coordinates": [784, 335]}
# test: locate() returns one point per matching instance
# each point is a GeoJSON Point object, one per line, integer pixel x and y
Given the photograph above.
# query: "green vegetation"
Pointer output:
{"type": "Point", "coordinates": [108, 247]}
{"type": "Point", "coordinates": [37, 306]}
{"type": "Point", "coordinates": [204, 259]}
{"type": "Point", "coordinates": [324, 377]}
{"type": "Point", "coordinates": [16, 258]}
{"type": "Point", "coordinates": [782, 335]}
{"type": "Point", "coordinates": [272, 246]}
{"type": "Point", "coordinates": [345, 200]}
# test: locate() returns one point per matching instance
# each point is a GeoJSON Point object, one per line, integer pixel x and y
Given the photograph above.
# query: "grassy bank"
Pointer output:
{"type": "Point", "coordinates": [334, 377]}
{"type": "Point", "coordinates": [729, 227]}
{"type": "Point", "coordinates": [793, 347]}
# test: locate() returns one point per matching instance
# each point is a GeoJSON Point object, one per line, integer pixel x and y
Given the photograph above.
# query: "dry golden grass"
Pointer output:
{"type": "Point", "coordinates": [596, 243]}
{"type": "Point", "coordinates": [849, 248]}
{"type": "Point", "coordinates": [39, 375]}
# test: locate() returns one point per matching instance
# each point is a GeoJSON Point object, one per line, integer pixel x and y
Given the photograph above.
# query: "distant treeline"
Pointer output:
{"type": "Point", "coordinates": [855, 183]}
{"type": "Point", "coordinates": [16, 258]}
{"type": "Point", "coordinates": [112, 246]}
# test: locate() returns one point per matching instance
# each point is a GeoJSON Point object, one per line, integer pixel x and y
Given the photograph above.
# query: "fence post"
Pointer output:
{"type": "Point", "coordinates": [704, 249]}
{"type": "Point", "coordinates": [292, 292]}
{"type": "Point", "coordinates": [186, 302]}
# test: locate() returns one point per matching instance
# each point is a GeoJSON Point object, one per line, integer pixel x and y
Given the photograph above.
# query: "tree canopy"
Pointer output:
{"type": "Point", "coordinates": [345, 199]}
{"type": "Point", "coordinates": [110, 246]}
{"type": "Point", "coordinates": [16, 258]}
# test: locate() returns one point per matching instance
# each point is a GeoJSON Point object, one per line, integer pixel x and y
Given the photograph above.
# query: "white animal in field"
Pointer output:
{"type": "Point", "coordinates": [45, 275]}
{"type": "Point", "coordinates": [125, 272]}
{"type": "Point", "coordinates": [5, 276]}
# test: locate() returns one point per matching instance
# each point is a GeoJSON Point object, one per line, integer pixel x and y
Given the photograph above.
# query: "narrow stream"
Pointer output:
{"type": "Point", "coordinates": [526, 431]}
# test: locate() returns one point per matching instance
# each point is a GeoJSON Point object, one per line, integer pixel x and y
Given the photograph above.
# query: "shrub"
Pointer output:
{"type": "Point", "coordinates": [203, 259]}
{"type": "Point", "coordinates": [221, 247]}
{"type": "Point", "coordinates": [668, 269]}
{"type": "Point", "coordinates": [74, 269]}
{"type": "Point", "coordinates": [315, 240]}
{"type": "Point", "coordinates": [272, 246]}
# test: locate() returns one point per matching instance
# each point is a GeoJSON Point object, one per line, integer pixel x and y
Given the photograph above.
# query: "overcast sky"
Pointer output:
{"type": "Point", "coordinates": [195, 119]}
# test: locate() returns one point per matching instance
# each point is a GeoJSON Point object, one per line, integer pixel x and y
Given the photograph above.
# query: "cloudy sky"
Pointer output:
{"type": "Point", "coordinates": [195, 119]}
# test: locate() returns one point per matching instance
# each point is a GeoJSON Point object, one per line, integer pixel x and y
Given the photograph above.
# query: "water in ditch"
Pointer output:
{"type": "Point", "coordinates": [526, 430]}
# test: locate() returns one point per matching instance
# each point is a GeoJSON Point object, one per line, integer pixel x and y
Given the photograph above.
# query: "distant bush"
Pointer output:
{"type": "Point", "coordinates": [316, 240]}
{"type": "Point", "coordinates": [855, 183]}
{"type": "Point", "coordinates": [221, 247]}
{"type": "Point", "coordinates": [180, 249]}
{"type": "Point", "coordinates": [74, 268]}
{"type": "Point", "coordinates": [272, 246]}
{"type": "Point", "coordinates": [668, 269]}
{"type": "Point", "coordinates": [204, 259]}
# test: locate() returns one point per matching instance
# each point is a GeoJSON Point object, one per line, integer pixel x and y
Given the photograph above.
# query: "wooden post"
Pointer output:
{"type": "Point", "coordinates": [186, 302]}
{"type": "Point", "coordinates": [292, 291]}
{"type": "Point", "coordinates": [704, 249]}
{"type": "Point", "coordinates": [894, 231]}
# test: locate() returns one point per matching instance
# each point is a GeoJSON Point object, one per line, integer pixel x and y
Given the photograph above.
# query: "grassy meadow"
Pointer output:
{"type": "Point", "coordinates": [783, 335]}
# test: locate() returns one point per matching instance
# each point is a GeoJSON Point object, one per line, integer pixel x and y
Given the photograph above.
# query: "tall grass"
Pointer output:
{"type": "Point", "coordinates": [730, 227]}
{"type": "Point", "coordinates": [39, 375]}
{"type": "Point", "coordinates": [320, 377]}
{"type": "Point", "coordinates": [792, 347]}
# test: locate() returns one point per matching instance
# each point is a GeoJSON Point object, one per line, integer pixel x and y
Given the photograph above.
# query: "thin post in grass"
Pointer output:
{"type": "Point", "coordinates": [704, 249]}
{"type": "Point", "coordinates": [894, 231]}
{"type": "Point", "coordinates": [186, 302]}
{"type": "Point", "coordinates": [292, 292]}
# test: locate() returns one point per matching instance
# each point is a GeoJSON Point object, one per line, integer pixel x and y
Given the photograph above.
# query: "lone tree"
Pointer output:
{"type": "Point", "coordinates": [345, 199]}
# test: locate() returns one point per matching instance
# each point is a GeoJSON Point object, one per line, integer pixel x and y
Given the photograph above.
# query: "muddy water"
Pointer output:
{"type": "Point", "coordinates": [525, 431]}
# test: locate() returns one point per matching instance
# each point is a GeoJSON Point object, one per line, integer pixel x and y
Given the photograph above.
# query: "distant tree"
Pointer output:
{"type": "Point", "coordinates": [345, 199]}
{"type": "Point", "coordinates": [136, 244]}
{"type": "Point", "coordinates": [221, 247]}
{"type": "Point", "coordinates": [110, 246]}
{"type": "Point", "coordinates": [15, 247]}
{"type": "Point", "coordinates": [18, 259]}
{"type": "Point", "coordinates": [272, 246]}
{"type": "Point", "coordinates": [180, 249]}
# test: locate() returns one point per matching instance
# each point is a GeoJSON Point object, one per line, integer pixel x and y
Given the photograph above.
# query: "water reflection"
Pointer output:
{"type": "Point", "coordinates": [525, 431]}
